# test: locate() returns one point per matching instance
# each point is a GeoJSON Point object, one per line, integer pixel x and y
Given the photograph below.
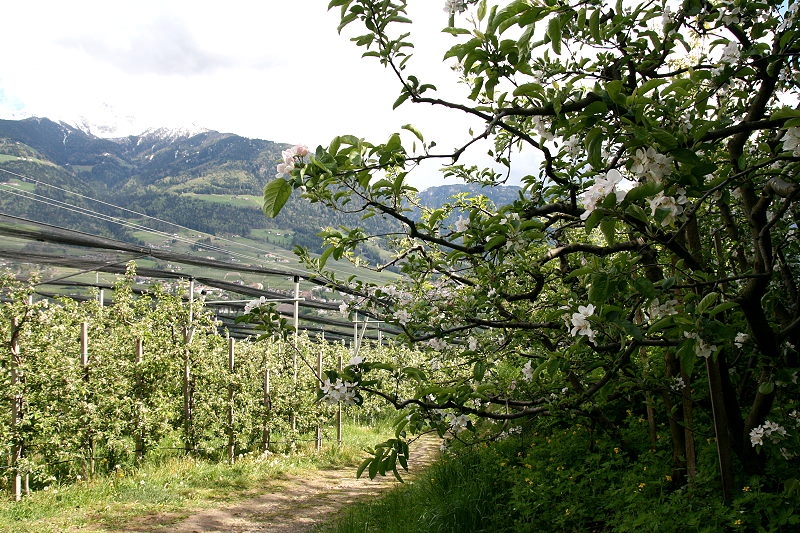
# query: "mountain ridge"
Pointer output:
{"type": "Point", "coordinates": [203, 180]}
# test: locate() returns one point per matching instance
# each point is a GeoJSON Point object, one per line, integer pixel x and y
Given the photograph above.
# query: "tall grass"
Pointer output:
{"type": "Point", "coordinates": [456, 494]}
{"type": "Point", "coordinates": [172, 486]}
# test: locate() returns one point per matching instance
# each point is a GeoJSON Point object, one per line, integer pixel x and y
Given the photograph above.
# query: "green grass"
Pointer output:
{"type": "Point", "coordinates": [235, 200]}
{"type": "Point", "coordinates": [175, 486]}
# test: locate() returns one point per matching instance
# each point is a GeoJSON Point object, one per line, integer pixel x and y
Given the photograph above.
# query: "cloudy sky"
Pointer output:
{"type": "Point", "coordinates": [267, 69]}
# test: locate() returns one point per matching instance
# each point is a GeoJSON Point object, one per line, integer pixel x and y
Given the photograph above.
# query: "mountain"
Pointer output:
{"type": "Point", "coordinates": [205, 180]}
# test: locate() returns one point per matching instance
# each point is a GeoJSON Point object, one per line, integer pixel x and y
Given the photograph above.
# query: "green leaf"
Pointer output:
{"type": "Point", "coordinates": [608, 226]}
{"type": "Point", "coordinates": [478, 371]}
{"type": "Point", "coordinates": [529, 89]}
{"type": "Point", "coordinates": [415, 131]}
{"type": "Point", "coordinates": [707, 301]}
{"type": "Point", "coordinates": [594, 145]}
{"type": "Point", "coordinates": [644, 287]}
{"type": "Point", "coordinates": [766, 388]}
{"type": "Point", "coordinates": [276, 193]}
{"type": "Point", "coordinates": [602, 287]}
{"type": "Point", "coordinates": [364, 464]}
{"type": "Point", "coordinates": [594, 25]}
{"type": "Point", "coordinates": [722, 308]}
{"type": "Point", "coordinates": [554, 30]}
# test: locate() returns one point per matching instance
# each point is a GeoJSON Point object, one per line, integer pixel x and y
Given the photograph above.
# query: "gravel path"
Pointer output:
{"type": "Point", "coordinates": [297, 503]}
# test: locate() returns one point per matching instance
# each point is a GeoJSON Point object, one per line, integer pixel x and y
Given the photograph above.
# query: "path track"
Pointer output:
{"type": "Point", "coordinates": [295, 504]}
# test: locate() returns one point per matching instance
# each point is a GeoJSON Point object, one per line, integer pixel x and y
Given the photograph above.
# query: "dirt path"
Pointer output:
{"type": "Point", "coordinates": [297, 503]}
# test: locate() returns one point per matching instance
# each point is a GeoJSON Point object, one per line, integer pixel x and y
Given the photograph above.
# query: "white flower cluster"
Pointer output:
{"type": "Point", "coordinates": [438, 344]}
{"type": "Point", "coordinates": [740, 339]}
{"type": "Point", "coordinates": [660, 310]}
{"type": "Point", "coordinates": [791, 140]}
{"type": "Point", "coordinates": [678, 384]}
{"type": "Point", "coordinates": [769, 429]}
{"type": "Point", "coordinates": [580, 322]}
{"type": "Point", "coordinates": [612, 182]}
{"type": "Point", "coordinates": [730, 56]}
{"type": "Point", "coordinates": [672, 206]}
{"type": "Point", "coordinates": [341, 391]}
{"type": "Point", "coordinates": [458, 423]}
{"type": "Point", "coordinates": [455, 6]}
{"type": "Point", "coordinates": [701, 348]}
{"type": "Point", "coordinates": [290, 157]}
{"type": "Point", "coordinates": [253, 304]}
{"type": "Point", "coordinates": [650, 165]}
{"type": "Point", "coordinates": [402, 316]}
{"type": "Point", "coordinates": [789, 17]}
{"type": "Point", "coordinates": [527, 371]}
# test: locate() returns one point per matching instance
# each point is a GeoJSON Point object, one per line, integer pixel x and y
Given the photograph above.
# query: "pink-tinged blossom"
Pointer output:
{"type": "Point", "coordinates": [580, 322]}
{"type": "Point", "coordinates": [612, 182]}
{"type": "Point", "coordinates": [290, 157]}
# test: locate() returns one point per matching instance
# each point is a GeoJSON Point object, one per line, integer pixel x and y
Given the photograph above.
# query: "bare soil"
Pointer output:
{"type": "Point", "coordinates": [293, 505]}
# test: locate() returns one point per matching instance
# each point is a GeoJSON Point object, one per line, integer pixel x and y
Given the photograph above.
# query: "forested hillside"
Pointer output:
{"type": "Point", "coordinates": [207, 181]}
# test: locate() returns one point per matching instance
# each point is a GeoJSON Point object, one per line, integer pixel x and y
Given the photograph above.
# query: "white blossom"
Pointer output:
{"type": "Point", "coordinates": [612, 182]}
{"type": "Point", "coordinates": [472, 343]}
{"type": "Point", "coordinates": [253, 304]}
{"type": "Point", "coordinates": [791, 140]}
{"type": "Point", "coordinates": [701, 347]}
{"type": "Point", "coordinates": [648, 164]}
{"type": "Point", "coordinates": [773, 430]}
{"type": "Point", "coordinates": [659, 310]}
{"type": "Point", "coordinates": [672, 206]}
{"type": "Point", "coordinates": [740, 339]}
{"type": "Point", "coordinates": [527, 371]}
{"type": "Point", "coordinates": [459, 423]}
{"type": "Point", "coordinates": [402, 316]}
{"type": "Point", "coordinates": [580, 322]}
{"type": "Point", "coordinates": [340, 391]}
{"type": "Point", "coordinates": [355, 360]}
{"type": "Point", "coordinates": [437, 344]}
{"type": "Point", "coordinates": [455, 6]}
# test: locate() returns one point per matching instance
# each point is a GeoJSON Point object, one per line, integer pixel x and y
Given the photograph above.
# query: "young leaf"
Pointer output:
{"type": "Point", "coordinates": [276, 193]}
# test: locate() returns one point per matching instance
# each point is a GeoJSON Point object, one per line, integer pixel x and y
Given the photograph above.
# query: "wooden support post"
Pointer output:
{"type": "Point", "coordinates": [16, 408]}
{"type": "Point", "coordinates": [319, 378]}
{"type": "Point", "coordinates": [140, 421]}
{"type": "Point", "coordinates": [188, 392]}
{"type": "Point", "coordinates": [339, 413]}
{"type": "Point", "coordinates": [87, 398]}
{"type": "Point", "coordinates": [293, 414]}
{"type": "Point", "coordinates": [265, 432]}
{"type": "Point", "coordinates": [231, 393]}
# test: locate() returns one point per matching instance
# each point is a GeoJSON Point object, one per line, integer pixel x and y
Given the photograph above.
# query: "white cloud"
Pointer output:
{"type": "Point", "coordinates": [264, 69]}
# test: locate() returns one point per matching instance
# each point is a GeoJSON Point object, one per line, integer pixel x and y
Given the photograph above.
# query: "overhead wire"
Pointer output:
{"type": "Point", "coordinates": [143, 215]}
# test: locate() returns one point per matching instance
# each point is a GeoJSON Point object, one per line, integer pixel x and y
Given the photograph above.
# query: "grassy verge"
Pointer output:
{"type": "Point", "coordinates": [170, 485]}
{"type": "Point", "coordinates": [568, 480]}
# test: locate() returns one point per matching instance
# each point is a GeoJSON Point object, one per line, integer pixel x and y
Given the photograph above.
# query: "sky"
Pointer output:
{"type": "Point", "coordinates": [266, 69]}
